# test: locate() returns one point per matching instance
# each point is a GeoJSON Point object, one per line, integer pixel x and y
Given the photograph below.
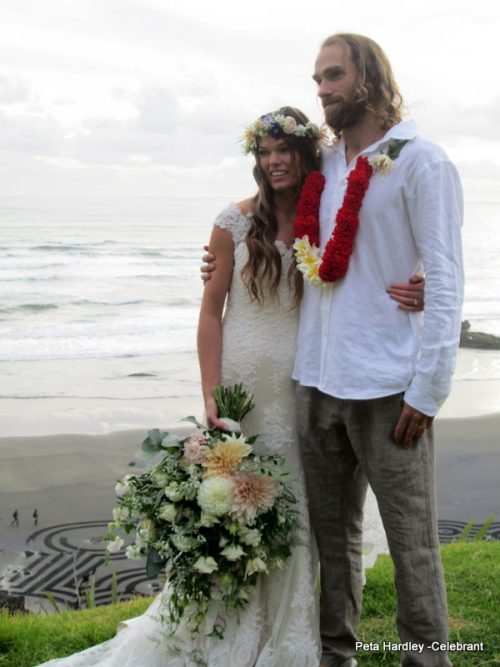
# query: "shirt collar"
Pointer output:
{"type": "Point", "coordinates": [405, 130]}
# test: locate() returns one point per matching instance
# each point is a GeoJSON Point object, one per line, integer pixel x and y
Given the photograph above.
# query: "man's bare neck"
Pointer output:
{"type": "Point", "coordinates": [361, 135]}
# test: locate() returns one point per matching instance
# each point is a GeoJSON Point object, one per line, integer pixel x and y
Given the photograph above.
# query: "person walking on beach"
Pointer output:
{"type": "Point", "coordinates": [15, 518]}
{"type": "Point", "coordinates": [35, 517]}
{"type": "Point", "coordinates": [371, 377]}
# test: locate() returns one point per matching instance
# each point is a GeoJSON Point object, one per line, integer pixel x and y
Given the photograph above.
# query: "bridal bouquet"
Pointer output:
{"type": "Point", "coordinates": [210, 512]}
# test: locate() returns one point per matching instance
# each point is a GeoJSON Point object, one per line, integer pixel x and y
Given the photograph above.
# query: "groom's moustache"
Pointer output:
{"type": "Point", "coordinates": [330, 100]}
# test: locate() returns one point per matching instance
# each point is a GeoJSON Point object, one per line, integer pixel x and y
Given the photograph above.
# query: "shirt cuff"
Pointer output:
{"type": "Point", "coordinates": [423, 399]}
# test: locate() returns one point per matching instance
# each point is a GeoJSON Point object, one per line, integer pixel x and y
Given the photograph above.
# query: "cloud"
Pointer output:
{"type": "Point", "coordinates": [24, 175]}
{"type": "Point", "coordinates": [30, 134]}
{"type": "Point", "coordinates": [165, 130]}
{"type": "Point", "coordinates": [479, 170]}
{"type": "Point", "coordinates": [13, 90]}
{"type": "Point", "coordinates": [444, 119]}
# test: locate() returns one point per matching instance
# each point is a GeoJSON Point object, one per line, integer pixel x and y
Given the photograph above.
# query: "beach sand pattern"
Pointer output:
{"type": "Point", "coordinates": [66, 560]}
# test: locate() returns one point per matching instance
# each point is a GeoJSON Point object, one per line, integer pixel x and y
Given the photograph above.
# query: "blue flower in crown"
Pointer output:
{"type": "Point", "coordinates": [276, 131]}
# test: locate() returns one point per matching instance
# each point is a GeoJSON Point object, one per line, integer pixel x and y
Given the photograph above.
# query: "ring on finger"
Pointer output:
{"type": "Point", "coordinates": [415, 302]}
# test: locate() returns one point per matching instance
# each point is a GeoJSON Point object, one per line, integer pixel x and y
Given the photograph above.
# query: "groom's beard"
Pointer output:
{"type": "Point", "coordinates": [344, 114]}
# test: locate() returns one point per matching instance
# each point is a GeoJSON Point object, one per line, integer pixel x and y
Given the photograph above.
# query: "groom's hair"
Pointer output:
{"type": "Point", "coordinates": [376, 86]}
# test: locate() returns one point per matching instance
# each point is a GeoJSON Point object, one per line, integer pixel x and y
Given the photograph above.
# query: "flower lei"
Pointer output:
{"type": "Point", "coordinates": [335, 260]}
{"type": "Point", "coordinates": [278, 126]}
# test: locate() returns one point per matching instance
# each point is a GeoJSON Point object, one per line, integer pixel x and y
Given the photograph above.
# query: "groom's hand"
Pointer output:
{"type": "Point", "coordinates": [411, 426]}
{"type": "Point", "coordinates": [208, 264]}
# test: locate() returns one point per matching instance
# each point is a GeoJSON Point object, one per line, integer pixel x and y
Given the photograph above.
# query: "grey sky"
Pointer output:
{"type": "Point", "coordinates": [151, 96]}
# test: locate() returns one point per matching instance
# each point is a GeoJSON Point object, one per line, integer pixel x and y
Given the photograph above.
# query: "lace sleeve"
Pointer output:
{"type": "Point", "coordinates": [232, 218]}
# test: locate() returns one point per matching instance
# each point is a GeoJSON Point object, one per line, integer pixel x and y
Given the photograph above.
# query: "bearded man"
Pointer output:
{"type": "Point", "coordinates": [371, 376]}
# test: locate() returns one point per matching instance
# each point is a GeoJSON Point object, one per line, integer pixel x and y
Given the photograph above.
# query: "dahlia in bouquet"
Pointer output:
{"type": "Point", "coordinates": [210, 513]}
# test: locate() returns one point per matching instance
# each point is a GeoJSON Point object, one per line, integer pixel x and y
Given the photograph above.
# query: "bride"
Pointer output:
{"type": "Point", "coordinates": [252, 341]}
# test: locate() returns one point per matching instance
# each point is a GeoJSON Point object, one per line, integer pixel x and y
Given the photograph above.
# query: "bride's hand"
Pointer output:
{"type": "Point", "coordinates": [213, 415]}
{"type": "Point", "coordinates": [208, 264]}
{"type": "Point", "coordinates": [410, 296]}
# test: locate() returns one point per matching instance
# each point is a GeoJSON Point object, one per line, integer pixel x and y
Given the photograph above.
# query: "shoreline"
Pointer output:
{"type": "Point", "coordinates": [143, 393]}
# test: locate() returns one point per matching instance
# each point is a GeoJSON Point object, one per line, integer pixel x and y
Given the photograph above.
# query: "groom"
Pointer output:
{"type": "Point", "coordinates": [371, 377]}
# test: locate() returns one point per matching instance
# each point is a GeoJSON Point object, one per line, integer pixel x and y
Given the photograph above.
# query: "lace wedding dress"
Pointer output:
{"type": "Point", "coordinates": [279, 626]}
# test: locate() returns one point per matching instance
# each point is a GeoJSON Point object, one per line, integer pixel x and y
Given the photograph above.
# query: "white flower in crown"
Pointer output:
{"type": "Point", "coordinates": [382, 163]}
{"type": "Point", "coordinates": [278, 126]}
{"type": "Point", "coordinates": [289, 125]}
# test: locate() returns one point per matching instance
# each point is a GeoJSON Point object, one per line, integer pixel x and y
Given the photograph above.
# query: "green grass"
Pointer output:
{"type": "Point", "coordinates": [472, 574]}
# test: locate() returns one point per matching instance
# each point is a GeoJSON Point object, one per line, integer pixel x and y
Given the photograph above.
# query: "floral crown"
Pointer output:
{"type": "Point", "coordinates": [278, 126]}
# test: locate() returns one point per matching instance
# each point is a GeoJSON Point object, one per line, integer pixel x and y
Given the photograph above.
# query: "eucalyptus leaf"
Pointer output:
{"type": "Point", "coordinates": [193, 420]}
{"type": "Point", "coordinates": [158, 458]}
{"type": "Point", "coordinates": [147, 452]}
{"type": "Point", "coordinates": [156, 435]}
{"type": "Point", "coordinates": [152, 443]}
{"type": "Point", "coordinates": [141, 463]}
{"type": "Point", "coordinates": [170, 441]}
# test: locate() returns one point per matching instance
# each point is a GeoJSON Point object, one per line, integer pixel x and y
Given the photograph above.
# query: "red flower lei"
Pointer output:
{"type": "Point", "coordinates": [338, 250]}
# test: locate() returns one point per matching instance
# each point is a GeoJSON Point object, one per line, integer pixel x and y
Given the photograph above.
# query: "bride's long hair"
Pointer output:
{"type": "Point", "coordinates": [264, 260]}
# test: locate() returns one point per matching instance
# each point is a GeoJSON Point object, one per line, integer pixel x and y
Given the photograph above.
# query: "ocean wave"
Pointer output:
{"type": "Point", "coordinates": [70, 245]}
{"type": "Point", "coordinates": [30, 279]}
{"type": "Point", "coordinates": [146, 252]}
{"type": "Point", "coordinates": [85, 249]}
{"type": "Point", "coordinates": [71, 354]}
{"type": "Point", "coordinates": [194, 303]}
{"type": "Point", "coordinates": [91, 302]}
{"type": "Point", "coordinates": [30, 307]}
{"type": "Point", "coordinates": [29, 266]}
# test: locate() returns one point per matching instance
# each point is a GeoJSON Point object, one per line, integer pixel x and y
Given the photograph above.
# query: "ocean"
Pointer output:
{"type": "Point", "coordinates": [100, 296]}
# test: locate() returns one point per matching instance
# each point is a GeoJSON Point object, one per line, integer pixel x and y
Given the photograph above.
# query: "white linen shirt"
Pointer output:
{"type": "Point", "coordinates": [353, 340]}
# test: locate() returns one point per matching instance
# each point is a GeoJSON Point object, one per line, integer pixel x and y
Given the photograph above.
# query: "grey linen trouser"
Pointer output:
{"type": "Point", "coordinates": [345, 444]}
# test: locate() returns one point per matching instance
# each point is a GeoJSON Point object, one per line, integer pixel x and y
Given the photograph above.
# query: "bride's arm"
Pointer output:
{"type": "Point", "coordinates": [210, 321]}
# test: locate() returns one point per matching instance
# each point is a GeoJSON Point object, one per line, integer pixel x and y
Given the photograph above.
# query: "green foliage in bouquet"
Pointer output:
{"type": "Point", "coordinates": [233, 402]}
{"type": "Point", "coordinates": [212, 514]}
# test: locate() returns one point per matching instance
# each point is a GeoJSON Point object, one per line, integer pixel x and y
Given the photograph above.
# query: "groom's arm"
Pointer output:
{"type": "Point", "coordinates": [436, 213]}
{"type": "Point", "coordinates": [410, 296]}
